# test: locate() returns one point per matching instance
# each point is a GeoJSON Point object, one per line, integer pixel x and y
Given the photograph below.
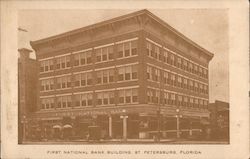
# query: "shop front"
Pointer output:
{"type": "Point", "coordinates": [120, 123]}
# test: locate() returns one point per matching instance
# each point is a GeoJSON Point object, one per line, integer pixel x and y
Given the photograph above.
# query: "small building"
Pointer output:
{"type": "Point", "coordinates": [219, 120]}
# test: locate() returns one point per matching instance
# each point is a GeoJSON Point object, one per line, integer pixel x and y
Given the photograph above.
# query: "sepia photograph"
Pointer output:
{"type": "Point", "coordinates": [123, 77]}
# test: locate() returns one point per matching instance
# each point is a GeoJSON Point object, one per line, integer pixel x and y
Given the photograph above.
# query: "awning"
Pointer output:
{"type": "Point", "coordinates": [57, 127]}
{"type": "Point", "coordinates": [67, 126]}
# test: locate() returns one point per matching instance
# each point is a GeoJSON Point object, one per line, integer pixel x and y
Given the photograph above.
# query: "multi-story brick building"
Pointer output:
{"type": "Point", "coordinates": [133, 71]}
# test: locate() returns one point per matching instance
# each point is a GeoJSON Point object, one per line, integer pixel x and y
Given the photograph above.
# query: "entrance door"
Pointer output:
{"type": "Point", "coordinates": [117, 127]}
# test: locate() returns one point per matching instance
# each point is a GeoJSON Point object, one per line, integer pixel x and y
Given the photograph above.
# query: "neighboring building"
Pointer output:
{"type": "Point", "coordinates": [219, 118]}
{"type": "Point", "coordinates": [133, 76]}
{"type": "Point", "coordinates": [27, 91]}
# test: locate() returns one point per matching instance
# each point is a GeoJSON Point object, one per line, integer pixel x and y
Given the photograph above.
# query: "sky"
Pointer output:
{"type": "Point", "coordinates": [207, 27]}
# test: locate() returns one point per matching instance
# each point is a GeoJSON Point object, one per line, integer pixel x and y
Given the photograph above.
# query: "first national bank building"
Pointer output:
{"type": "Point", "coordinates": [133, 76]}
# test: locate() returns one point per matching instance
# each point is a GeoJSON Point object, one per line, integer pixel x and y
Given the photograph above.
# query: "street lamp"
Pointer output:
{"type": "Point", "coordinates": [178, 116]}
{"type": "Point", "coordinates": [124, 119]}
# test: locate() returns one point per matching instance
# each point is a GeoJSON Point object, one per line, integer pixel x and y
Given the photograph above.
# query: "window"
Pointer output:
{"type": "Point", "coordinates": [172, 99]}
{"type": "Point", "coordinates": [121, 96]}
{"type": "Point", "coordinates": [179, 81]}
{"type": "Point", "coordinates": [121, 72]}
{"type": "Point", "coordinates": [149, 72]}
{"type": "Point", "coordinates": [185, 65]}
{"type": "Point", "coordinates": [175, 61]}
{"type": "Point", "coordinates": [200, 71]}
{"type": "Point", "coordinates": [179, 100]}
{"type": "Point", "coordinates": [165, 56]}
{"type": "Point", "coordinates": [149, 48]}
{"type": "Point", "coordinates": [165, 77]}
{"type": "Point", "coordinates": [191, 102]}
{"type": "Point", "coordinates": [83, 79]}
{"type": "Point", "coordinates": [127, 73]}
{"type": "Point", "coordinates": [111, 75]}
{"type": "Point", "coordinates": [150, 95]}
{"type": "Point", "coordinates": [134, 71]}
{"type": "Point", "coordinates": [205, 89]}
{"type": "Point", "coordinates": [77, 99]}
{"type": "Point", "coordinates": [120, 50]}
{"type": "Point", "coordinates": [157, 96]}
{"type": "Point", "coordinates": [89, 78]}
{"type": "Point", "coordinates": [191, 85]}
{"type": "Point", "coordinates": [98, 53]}
{"type": "Point", "coordinates": [196, 88]}
{"type": "Point", "coordinates": [89, 57]}
{"type": "Point", "coordinates": [84, 99]}
{"type": "Point", "coordinates": [64, 102]}
{"type": "Point", "coordinates": [133, 48]}
{"type": "Point", "coordinates": [128, 96]}
{"type": "Point", "coordinates": [157, 74]}
{"type": "Point", "coordinates": [201, 88]}
{"type": "Point", "coordinates": [157, 52]}
{"type": "Point", "coordinates": [134, 95]}
{"type": "Point", "coordinates": [51, 65]}
{"type": "Point", "coordinates": [77, 80]}
{"type": "Point", "coordinates": [185, 83]}
{"type": "Point", "coordinates": [47, 65]}
{"type": "Point", "coordinates": [172, 59]}
{"type": "Point", "coordinates": [63, 82]}
{"type": "Point", "coordinates": [105, 76]}
{"type": "Point", "coordinates": [196, 103]}
{"type": "Point", "coordinates": [47, 103]}
{"type": "Point", "coordinates": [82, 58]}
{"type": "Point", "coordinates": [190, 67]}
{"type": "Point", "coordinates": [185, 101]}
{"type": "Point", "coordinates": [127, 49]}
{"type": "Point", "coordinates": [195, 69]}
{"type": "Point", "coordinates": [153, 51]}
{"type": "Point", "coordinates": [47, 85]}
{"type": "Point", "coordinates": [205, 73]}
{"type": "Point", "coordinates": [172, 79]}
{"type": "Point", "coordinates": [63, 62]}
{"type": "Point", "coordinates": [111, 97]}
{"type": "Point", "coordinates": [166, 99]}
{"type": "Point", "coordinates": [104, 54]}
{"type": "Point", "coordinates": [105, 98]}
{"type": "Point", "coordinates": [179, 62]}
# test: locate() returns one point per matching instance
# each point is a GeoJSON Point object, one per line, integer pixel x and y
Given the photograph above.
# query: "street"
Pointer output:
{"type": "Point", "coordinates": [129, 141]}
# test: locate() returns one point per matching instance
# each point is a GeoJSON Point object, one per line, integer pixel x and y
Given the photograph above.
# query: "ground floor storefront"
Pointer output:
{"type": "Point", "coordinates": [119, 123]}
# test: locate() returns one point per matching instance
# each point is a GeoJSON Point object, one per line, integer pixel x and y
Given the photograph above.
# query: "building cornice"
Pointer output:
{"type": "Point", "coordinates": [142, 17]}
